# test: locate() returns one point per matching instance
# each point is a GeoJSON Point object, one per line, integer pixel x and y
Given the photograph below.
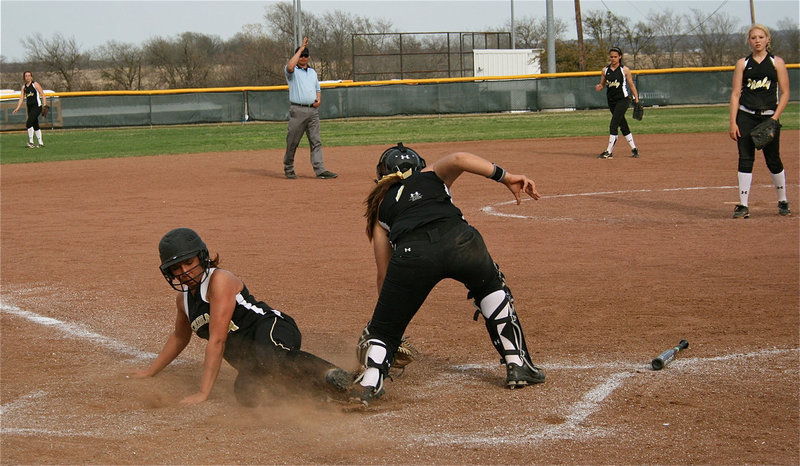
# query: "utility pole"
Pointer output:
{"type": "Point", "coordinates": [298, 25]}
{"type": "Point", "coordinates": [551, 41]}
{"type": "Point", "coordinates": [752, 13]}
{"type": "Point", "coordinates": [513, 29]}
{"type": "Point", "coordinates": [579, 26]}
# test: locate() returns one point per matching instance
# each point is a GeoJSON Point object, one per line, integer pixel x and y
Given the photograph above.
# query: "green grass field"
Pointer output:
{"type": "Point", "coordinates": [131, 142]}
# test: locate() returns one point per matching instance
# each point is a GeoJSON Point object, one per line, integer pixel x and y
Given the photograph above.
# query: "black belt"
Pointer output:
{"type": "Point", "coordinates": [302, 105]}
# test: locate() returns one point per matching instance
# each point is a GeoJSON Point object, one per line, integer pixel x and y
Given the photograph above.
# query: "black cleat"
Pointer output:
{"type": "Point", "coordinates": [635, 153]}
{"type": "Point", "coordinates": [339, 379]}
{"type": "Point", "coordinates": [605, 155]}
{"type": "Point", "coordinates": [783, 208]}
{"type": "Point", "coordinates": [520, 376]}
{"type": "Point", "coordinates": [327, 175]}
{"type": "Point", "coordinates": [741, 211]}
{"type": "Point", "coordinates": [364, 395]}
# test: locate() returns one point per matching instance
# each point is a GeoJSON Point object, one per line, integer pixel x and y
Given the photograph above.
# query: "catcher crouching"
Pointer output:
{"type": "Point", "coordinates": [419, 238]}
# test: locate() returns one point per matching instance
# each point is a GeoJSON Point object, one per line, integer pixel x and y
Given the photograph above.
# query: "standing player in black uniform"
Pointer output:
{"type": "Point", "coordinates": [33, 95]}
{"type": "Point", "coordinates": [262, 343]}
{"type": "Point", "coordinates": [619, 81]}
{"type": "Point", "coordinates": [419, 237]}
{"type": "Point", "coordinates": [757, 80]}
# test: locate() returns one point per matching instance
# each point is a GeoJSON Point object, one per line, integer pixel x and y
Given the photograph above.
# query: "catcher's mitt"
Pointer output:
{"type": "Point", "coordinates": [764, 132]}
{"type": "Point", "coordinates": [638, 110]}
{"type": "Point", "coordinates": [45, 109]}
{"type": "Point", "coordinates": [405, 355]}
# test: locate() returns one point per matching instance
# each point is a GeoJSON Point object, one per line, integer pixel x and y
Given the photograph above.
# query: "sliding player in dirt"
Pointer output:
{"type": "Point", "coordinates": [419, 238]}
{"type": "Point", "coordinates": [262, 343]}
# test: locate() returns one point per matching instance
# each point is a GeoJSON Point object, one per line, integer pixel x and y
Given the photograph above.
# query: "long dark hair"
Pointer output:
{"type": "Point", "coordinates": [375, 197]}
{"type": "Point", "coordinates": [619, 51]}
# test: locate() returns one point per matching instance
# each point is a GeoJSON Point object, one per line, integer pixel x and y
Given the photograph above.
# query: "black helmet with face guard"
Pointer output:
{"type": "Point", "coordinates": [177, 246]}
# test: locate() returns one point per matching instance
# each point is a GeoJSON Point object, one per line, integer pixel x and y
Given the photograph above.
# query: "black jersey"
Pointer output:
{"type": "Point", "coordinates": [247, 314]}
{"type": "Point", "coordinates": [32, 97]}
{"type": "Point", "coordinates": [616, 83]}
{"type": "Point", "coordinates": [417, 200]}
{"type": "Point", "coordinates": [759, 84]}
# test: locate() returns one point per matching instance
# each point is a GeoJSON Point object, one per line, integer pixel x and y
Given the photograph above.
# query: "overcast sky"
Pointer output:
{"type": "Point", "coordinates": [93, 23]}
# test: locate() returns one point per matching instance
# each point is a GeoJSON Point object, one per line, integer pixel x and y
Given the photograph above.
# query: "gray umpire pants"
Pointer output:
{"type": "Point", "coordinates": [303, 120]}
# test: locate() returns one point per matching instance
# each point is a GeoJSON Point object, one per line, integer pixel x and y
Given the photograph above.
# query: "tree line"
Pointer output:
{"type": "Point", "coordinates": [255, 56]}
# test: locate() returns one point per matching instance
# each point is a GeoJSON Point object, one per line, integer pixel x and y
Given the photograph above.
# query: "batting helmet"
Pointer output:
{"type": "Point", "coordinates": [399, 159]}
{"type": "Point", "coordinates": [177, 246]}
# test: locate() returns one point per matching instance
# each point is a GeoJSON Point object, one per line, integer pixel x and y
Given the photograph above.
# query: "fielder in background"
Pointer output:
{"type": "Point", "coordinates": [419, 238]}
{"type": "Point", "coordinates": [304, 100]}
{"type": "Point", "coordinates": [262, 343]}
{"type": "Point", "coordinates": [33, 96]}
{"type": "Point", "coordinates": [758, 81]}
{"type": "Point", "coordinates": [618, 80]}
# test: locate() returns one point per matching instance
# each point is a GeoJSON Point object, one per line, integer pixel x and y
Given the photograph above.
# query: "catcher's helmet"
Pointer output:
{"type": "Point", "coordinates": [399, 159]}
{"type": "Point", "coordinates": [177, 246]}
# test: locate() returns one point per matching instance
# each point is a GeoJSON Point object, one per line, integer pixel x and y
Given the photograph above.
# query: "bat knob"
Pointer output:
{"type": "Point", "coordinates": [657, 364]}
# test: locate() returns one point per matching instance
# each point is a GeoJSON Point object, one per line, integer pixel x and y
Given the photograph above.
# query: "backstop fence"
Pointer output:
{"type": "Point", "coordinates": [468, 95]}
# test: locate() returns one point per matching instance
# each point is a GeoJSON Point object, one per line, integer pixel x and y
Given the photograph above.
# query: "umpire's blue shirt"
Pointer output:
{"type": "Point", "coordinates": [303, 85]}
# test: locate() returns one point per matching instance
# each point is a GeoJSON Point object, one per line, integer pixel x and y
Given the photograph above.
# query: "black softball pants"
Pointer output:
{"type": "Point", "coordinates": [421, 259]}
{"type": "Point", "coordinates": [747, 150]}
{"type": "Point", "coordinates": [270, 360]}
{"type": "Point", "coordinates": [33, 117]}
{"type": "Point", "coordinates": [618, 109]}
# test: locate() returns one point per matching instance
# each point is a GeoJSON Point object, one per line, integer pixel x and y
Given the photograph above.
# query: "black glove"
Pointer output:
{"type": "Point", "coordinates": [764, 132]}
{"type": "Point", "coordinates": [638, 110]}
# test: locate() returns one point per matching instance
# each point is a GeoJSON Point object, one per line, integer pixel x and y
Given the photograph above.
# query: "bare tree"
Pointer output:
{"type": "Point", "coordinates": [637, 40]}
{"type": "Point", "coordinates": [669, 29]}
{"type": "Point", "coordinates": [532, 33]}
{"type": "Point", "coordinates": [186, 61]}
{"type": "Point", "coordinates": [786, 40]}
{"type": "Point", "coordinates": [120, 65]}
{"type": "Point", "coordinates": [605, 28]}
{"type": "Point", "coordinates": [59, 56]}
{"type": "Point", "coordinates": [715, 44]}
{"type": "Point", "coordinates": [250, 58]}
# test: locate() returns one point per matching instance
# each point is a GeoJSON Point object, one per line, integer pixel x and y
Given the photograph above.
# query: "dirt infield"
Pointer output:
{"type": "Point", "coordinates": [620, 260]}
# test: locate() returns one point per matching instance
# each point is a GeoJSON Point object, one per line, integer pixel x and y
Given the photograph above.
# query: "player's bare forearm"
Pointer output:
{"type": "Point", "coordinates": [211, 365]}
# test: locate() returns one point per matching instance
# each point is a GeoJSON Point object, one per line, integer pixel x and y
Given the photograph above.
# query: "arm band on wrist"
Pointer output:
{"type": "Point", "coordinates": [498, 173]}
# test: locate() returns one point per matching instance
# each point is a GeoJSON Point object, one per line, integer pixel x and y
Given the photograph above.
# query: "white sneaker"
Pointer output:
{"type": "Point", "coordinates": [30, 145]}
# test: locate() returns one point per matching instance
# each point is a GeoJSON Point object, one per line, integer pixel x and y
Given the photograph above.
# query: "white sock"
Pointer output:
{"type": "Point", "coordinates": [745, 179]}
{"type": "Point", "coordinates": [488, 306]}
{"type": "Point", "coordinates": [30, 135]}
{"type": "Point", "coordinates": [372, 375]}
{"type": "Point", "coordinates": [779, 179]}
{"type": "Point", "coordinates": [612, 139]}
{"type": "Point", "coordinates": [629, 138]}
{"type": "Point", "coordinates": [39, 136]}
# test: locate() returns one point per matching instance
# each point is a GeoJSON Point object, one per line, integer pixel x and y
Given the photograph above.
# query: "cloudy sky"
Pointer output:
{"type": "Point", "coordinates": [93, 23]}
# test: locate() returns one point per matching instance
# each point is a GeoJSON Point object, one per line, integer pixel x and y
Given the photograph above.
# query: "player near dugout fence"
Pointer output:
{"type": "Point", "coordinates": [759, 96]}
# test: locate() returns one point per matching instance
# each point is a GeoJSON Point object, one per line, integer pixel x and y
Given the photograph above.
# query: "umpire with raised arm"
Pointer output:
{"type": "Point", "coordinates": [304, 99]}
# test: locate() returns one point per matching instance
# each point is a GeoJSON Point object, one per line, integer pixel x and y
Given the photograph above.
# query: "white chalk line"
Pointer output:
{"type": "Point", "coordinates": [78, 331]}
{"type": "Point", "coordinates": [590, 403]}
{"type": "Point", "coordinates": [491, 209]}
{"type": "Point", "coordinates": [570, 428]}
